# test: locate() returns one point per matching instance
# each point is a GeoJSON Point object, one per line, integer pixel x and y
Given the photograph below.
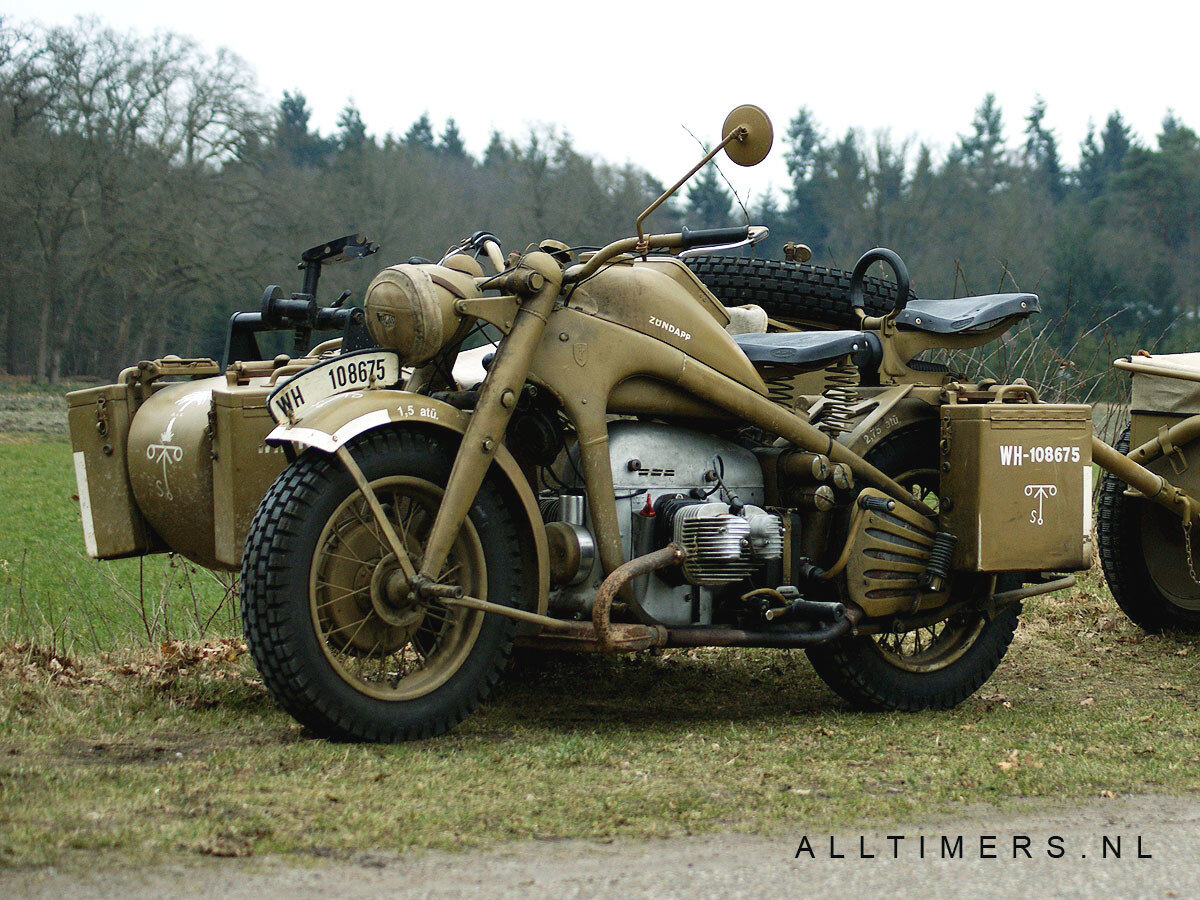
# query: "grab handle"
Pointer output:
{"type": "Point", "coordinates": [879, 254]}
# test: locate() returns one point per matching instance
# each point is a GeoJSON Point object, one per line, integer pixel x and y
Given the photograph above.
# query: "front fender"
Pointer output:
{"type": "Point", "coordinates": [336, 420]}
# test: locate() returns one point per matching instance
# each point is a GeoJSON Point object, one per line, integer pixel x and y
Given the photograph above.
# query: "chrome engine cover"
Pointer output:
{"type": "Point", "coordinates": [660, 460]}
{"type": "Point", "coordinates": [724, 547]}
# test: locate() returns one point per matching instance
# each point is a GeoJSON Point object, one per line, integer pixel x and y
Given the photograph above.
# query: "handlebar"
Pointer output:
{"type": "Point", "coordinates": [879, 254]}
{"type": "Point", "coordinates": [704, 237]}
{"type": "Point", "coordinates": [707, 237]}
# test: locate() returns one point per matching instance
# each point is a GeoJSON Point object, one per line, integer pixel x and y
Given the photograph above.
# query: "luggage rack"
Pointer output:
{"type": "Point", "coordinates": [1152, 365]}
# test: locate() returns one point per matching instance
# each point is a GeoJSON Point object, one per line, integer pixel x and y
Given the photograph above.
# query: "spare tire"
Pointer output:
{"type": "Point", "coordinates": [798, 294]}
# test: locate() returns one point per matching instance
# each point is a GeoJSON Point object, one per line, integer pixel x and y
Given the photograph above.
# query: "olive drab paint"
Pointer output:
{"type": "Point", "coordinates": [177, 455]}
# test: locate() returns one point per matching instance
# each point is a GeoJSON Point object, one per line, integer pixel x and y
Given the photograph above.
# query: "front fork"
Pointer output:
{"type": "Point", "coordinates": [497, 400]}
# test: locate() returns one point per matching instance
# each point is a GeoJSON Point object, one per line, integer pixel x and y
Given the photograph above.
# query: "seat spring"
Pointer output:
{"type": "Point", "coordinates": [781, 385]}
{"type": "Point", "coordinates": [841, 394]}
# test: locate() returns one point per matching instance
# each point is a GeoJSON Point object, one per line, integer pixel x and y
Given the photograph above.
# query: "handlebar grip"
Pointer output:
{"type": "Point", "coordinates": [706, 237]}
{"type": "Point", "coordinates": [879, 254]}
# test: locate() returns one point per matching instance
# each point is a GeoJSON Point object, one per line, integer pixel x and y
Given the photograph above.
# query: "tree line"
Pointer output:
{"type": "Point", "coordinates": [148, 190]}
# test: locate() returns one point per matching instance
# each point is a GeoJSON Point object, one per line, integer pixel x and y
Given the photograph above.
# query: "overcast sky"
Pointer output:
{"type": "Point", "coordinates": [625, 80]}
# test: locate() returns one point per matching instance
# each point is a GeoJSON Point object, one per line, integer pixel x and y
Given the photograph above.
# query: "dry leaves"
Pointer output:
{"type": "Point", "coordinates": [1014, 761]}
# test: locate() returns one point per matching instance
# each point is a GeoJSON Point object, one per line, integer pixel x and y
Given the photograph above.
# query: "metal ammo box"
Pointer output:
{"type": "Point", "coordinates": [1016, 485]}
{"type": "Point", "coordinates": [113, 526]}
{"type": "Point", "coordinates": [177, 465]}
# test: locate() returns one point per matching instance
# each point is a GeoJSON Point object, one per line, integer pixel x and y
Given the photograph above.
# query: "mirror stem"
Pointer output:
{"type": "Point", "coordinates": [736, 134]}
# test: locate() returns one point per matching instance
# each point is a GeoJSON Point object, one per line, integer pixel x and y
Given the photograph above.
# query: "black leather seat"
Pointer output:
{"type": "Point", "coordinates": [967, 313]}
{"type": "Point", "coordinates": [811, 349]}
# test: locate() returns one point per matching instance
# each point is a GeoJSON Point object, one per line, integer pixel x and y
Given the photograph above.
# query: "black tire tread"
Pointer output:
{"type": "Point", "coordinates": [1118, 539]}
{"type": "Point", "coordinates": [278, 521]}
{"type": "Point", "coordinates": [792, 292]}
{"type": "Point", "coordinates": [856, 672]}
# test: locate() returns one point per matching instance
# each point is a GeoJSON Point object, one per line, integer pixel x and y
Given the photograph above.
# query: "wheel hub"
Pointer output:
{"type": "Point", "coordinates": [392, 598]}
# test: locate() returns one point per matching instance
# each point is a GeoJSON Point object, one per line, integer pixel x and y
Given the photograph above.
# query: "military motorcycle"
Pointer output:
{"type": "Point", "coordinates": [639, 466]}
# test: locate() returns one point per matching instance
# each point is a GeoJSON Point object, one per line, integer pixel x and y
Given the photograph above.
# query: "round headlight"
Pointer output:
{"type": "Point", "coordinates": [411, 311]}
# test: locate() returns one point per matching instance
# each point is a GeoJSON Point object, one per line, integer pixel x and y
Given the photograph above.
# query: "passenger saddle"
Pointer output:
{"type": "Point", "coordinates": [810, 349]}
{"type": "Point", "coordinates": [966, 313]}
{"type": "Point", "coordinates": [817, 349]}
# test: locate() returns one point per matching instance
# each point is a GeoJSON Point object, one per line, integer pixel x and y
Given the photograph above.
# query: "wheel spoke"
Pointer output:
{"type": "Point", "coordinates": [342, 597]}
{"type": "Point", "coordinates": [360, 623]}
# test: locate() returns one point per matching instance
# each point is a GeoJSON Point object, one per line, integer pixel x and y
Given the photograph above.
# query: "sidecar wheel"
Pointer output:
{"type": "Point", "coordinates": [337, 645]}
{"type": "Point", "coordinates": [934, 667]}
{"type": "Point", "coordinates": [798, 294]}
{"type": "Point", "coordinates": [1144, 559]}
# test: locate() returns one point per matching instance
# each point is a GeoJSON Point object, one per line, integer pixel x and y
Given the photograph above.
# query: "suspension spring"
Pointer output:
{"type": "Point", "coordinates": [841, 394]}
{"type": "Point", "coordinates": [781, 385]}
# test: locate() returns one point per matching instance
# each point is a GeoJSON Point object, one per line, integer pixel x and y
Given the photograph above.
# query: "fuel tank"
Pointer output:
{"type": "Point", "coordinates": [197, 466]}
{"type": "Point", "coordinates": [169, 457]}
{"type": "Point", "coordinates": [661, 298]}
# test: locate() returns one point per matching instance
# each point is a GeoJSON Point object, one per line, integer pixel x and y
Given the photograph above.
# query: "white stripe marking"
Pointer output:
{"type": "Point", "coordinates": [85, 506]}
{"type": "Point", "coordinates": [1087, 501]}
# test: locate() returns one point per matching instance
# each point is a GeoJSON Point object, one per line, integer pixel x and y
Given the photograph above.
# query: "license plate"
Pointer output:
{"type": "Point", "coordinates": [351, 372]}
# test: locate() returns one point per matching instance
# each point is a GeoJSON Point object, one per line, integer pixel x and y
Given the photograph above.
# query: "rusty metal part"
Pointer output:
{"type": "Point", "coordinates": [716, 636]}
{"type": "Point", "coordinates": [580, 637]}
{"type": "Point", "coordinates": [670, 555]}
{"type": "Point", "coordinates": [1032, 590]}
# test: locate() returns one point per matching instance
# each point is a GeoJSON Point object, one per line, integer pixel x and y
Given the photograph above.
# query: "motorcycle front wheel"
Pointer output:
{"type": "Point", "coordinates": [336, 645]}
{"type": "Point", "coordinates": [935, 666]}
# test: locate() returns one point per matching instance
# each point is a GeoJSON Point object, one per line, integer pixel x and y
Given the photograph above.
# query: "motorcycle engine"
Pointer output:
{"type": "Point", "coordinates": [723, 545]}
{"type": "Point", "coordinates": [673, 484]}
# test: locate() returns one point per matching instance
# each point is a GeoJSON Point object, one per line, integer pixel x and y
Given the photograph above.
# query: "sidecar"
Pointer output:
{"type": "Point", "coordinates": [1148, 551]}
{"type": "Point", "coordinates": [171, 457]}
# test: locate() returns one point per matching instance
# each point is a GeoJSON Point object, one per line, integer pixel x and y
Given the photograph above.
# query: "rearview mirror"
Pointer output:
{"type": "Point", "coordinates": [753, 143]}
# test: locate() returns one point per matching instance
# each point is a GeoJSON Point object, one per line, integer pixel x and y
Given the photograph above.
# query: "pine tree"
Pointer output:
{"type": "Point", "coordinates": [1041, 151]}
{"type": "Point", "coordinates": [304, 148]}
{"type": "Point", "coordinates": [1100, 162]}
{"type": "Point", "coordinates": [981, 151]}
{"type": "Point", "coordinates": [708, 203]}
{"type": "Point", "coordinates": [420, 135]}
{"type": "Point", "coordinates": [497, 151]}
{"type": "Point", "coordinates": [352, 131]}
{"type": "Point", "coordinates": [450, 144]}
{"type": "Point", "coordinates": [803, 146]}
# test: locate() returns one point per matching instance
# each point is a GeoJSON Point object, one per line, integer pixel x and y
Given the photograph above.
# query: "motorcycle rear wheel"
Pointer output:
{"type": "Point", "coordinates": [1144, 559]}
{"type": "Point", "coordinates": [932, 667]}
{"type": "Point", "coordinates": [344, 654]}
{"type": "Point", "coordinates": [798, 294]}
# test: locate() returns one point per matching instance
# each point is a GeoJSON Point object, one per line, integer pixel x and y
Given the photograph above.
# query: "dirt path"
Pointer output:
{"type": "Point", "coordinates": [728, 866]}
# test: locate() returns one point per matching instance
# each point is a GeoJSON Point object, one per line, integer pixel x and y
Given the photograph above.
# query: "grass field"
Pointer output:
{"type": "Point", "coordinates": [149, 735]}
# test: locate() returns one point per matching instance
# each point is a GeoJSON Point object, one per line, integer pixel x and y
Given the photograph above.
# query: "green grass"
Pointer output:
{"type": "Point", "coordinates": [112, 741]}
{"type": "Point", "coordinates": [52, 592]}
{"type": "Point", "coordinates": [151, 756]}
